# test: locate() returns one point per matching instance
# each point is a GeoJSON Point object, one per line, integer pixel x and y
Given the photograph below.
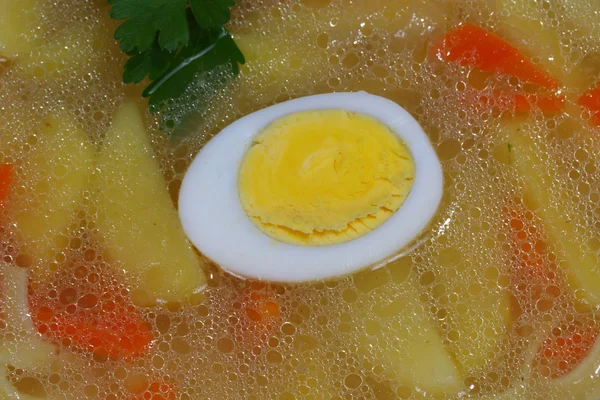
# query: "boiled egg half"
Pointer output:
{"type": "Point", "coordinates": [312, 188]}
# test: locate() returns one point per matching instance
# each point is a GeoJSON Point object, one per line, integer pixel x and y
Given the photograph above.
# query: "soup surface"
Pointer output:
{"type": "Point", "coordinates": [498, 297]}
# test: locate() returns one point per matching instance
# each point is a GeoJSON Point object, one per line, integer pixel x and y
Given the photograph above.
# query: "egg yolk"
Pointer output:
{"type": "Point", "coordinates": [324, 177]}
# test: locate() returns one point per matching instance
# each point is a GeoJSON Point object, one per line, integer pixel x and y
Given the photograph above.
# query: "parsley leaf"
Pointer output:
{"type": "Point", "coordinates": [210, 13]}
{"type": "Point", "coordinates": [145, 19]}
{"type": "Point", "coordinates": [172, 41]}
{"type": "Point", "coordinates": [153, 62]}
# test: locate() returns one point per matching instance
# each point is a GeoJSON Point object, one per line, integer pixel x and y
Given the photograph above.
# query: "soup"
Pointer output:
{"type": "Point", "coordinates": [102, 296]}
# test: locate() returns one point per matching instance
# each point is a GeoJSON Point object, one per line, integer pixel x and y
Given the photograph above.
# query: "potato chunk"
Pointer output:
{"type": "Point", "coordinates": [400, 335]}
{"type": "Point", "coordinates": [56, 174]}
{"type": "Point", "coordinates": [18, 22]}
{"type": "Point", "coordinates": [136, 216]}
{"type": "Point", "coordinates": [480, 319]}
{"type": "Point", "coordinates": [21, 345]}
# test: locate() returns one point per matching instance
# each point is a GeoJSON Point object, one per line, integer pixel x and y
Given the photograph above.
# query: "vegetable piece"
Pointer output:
{"type": "Point", "coordinates": [136, 216]}
{"type": "Point", "coordinates": [73, 53]}
{"type": "Point", "coordinates": [480, 319]}
{"type": "Point", "coordinates": [261, 303]}
{"type": "Point", "coordinates": [8, 390]}
{"type": "Point", "coordinates": [261, 309]}
{"type": "Point", "coordinates": [206, 50]}
{"type": "Point", "coordinates": [472, 46]}
{"type": "Point", "coordinates": [517, 102]}
{"type": "Point", "coordinates": [171, 41]}
{"type": "Point", "coordinates": [562, 354]}
{"type": "Point", "coordinates": [560, 227]}
{"type": "Point", "coordinates": [529, 25]}
{"type": "Point", "coordinates": [529, 269]}
{"type": "Point", "coordinates": [397, 16]}
{"type": "Point", "coordinates": [148, 20]}
{"type": "Point", "coordinates": [550, 103]}
{"type": "Point", "coordinates": [209, 13]}
{"type": "Point", "coordinates": [558, 355]}
{"type": "Point", "coordinates": [6, 178]}
{"type": "Point", "coordinates": [480, 329]}
{"type": "Point", "coordinates": [590, 100]}
{"type": "Point", "coordinates": [18, 20]}
{"type": "Point", "coordinates": [56, 174]}
{"type": "Point", "coordinates": [583, 14]}
{"type": "Point", "coordinates": [583, 377]}
{"type": "Point", "coordinates": [414, 355]}
{"type": "Point", "coordinates": [256, 306]}
{"type": "Point", "coordinates": [25, 350]}
{"type": "Point", "coordinates": [99, 319]}
{"type": "Point", "coordinates": [270, 62]}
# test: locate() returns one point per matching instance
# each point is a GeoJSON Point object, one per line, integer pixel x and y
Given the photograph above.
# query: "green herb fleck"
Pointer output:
{"type": "Point", "coordinates": [171, 41]}
{"type": "Point", "coordinates": [509, 147]}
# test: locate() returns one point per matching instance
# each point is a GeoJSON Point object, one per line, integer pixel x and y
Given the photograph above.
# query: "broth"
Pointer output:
{"type": "Point", "coordinates": [488, 303]}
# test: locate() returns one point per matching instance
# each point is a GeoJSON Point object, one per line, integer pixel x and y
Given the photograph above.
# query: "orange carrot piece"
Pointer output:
{"type": "Point", "coordinates": [590, 100]}
{"type": "Point", "coordinates": [546, 102]}
{"type": "Point", "coordinates": [104, 324]}
{"type": "Point", "coordinates": [549, 103]}
{"type": "Point", "coordinates": [530, 274]}
{"type": "Point", "coordinates": [260, 313]}
{"type": "Point", "coordinates": [6, 178]}
{"type": "Point", "coordinates": [472, 46]}
{"type": "Point", "coordinates": [526, 242]}
{"type": "Point", "coordinates": [261, 305]}
{"type": "Point", "coordinates": [528, 267]}
{"type": "Point", "coordinates": [560, 355]}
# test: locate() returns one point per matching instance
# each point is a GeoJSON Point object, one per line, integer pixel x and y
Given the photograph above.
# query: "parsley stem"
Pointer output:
{"type": "Point", "coordinates": [169, 74]}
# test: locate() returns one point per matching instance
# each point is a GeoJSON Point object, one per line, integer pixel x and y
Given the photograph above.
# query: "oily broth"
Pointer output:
{"type": "Point", "coordinates": [211, 346]}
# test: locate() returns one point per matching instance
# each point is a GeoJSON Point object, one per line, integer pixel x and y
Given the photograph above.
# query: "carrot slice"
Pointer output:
{"type": "Point", "coordinates": [546, 102]}
{"type": "Point", "coordinates": [261, 305]}
{"type": "Point", "coordinates": [98, 319]}
{"type": "Point", "coordinates": [530, 276]}
{"type": "Point", "coordinates": [259, 310]}
{"type": "Point", "coordinates": [526, 241]}
{"type": "Point", "coordinates": [6, 178]}
{"type": "Point", "coordinates": [472, 46]}
{"type": "Point", "coordinates": [590, 100]}
{"type": "Point", "coordinates": [528, 270]}
{"type": "Point", "coordinates": [561, 354]}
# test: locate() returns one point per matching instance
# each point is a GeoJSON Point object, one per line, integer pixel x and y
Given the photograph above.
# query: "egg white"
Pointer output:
{"type": "Point", "coordinates": [214, 220]}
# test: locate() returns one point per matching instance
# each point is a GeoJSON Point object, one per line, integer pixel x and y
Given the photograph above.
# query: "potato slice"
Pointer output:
{"type": "Point", "coordinates": [481, 317]}
{"type": "Point", "coordinates": [136, 216]}
{"type": "Point", "coordinates": [302, 54]}
{"type": "Point", "coordinates": [73, 53]}
{"type": "Point", "coordinates": [528, 25]}
{"type": "Point", "coordinates": [584, 15]}
{"type": "Point", "coordinates": [8, 391]}
{"type": "Point", "coordinates": [523, 23]}
{"type": "Point", "coordinates": [56, 174]}
{"type": "Point", "coordinates": [399, 334]}
{"type": "Point", "coordinates": [18, 20]}
{"type": "Point", "coordinates": [581, 267]}
{"type": "Point", "coordinates": [464, 281]}
{"type": "Point", "coordinates": [71, 50]}
{"type": "Point", "coordinates": [26, 350]}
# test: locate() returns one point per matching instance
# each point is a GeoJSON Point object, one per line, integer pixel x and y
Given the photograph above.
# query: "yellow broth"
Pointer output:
{"type": "Point", "coordinates": [518, 186]}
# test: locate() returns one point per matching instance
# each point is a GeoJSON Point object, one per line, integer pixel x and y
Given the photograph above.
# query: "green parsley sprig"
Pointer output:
{"type": "Point", "coordinates": [170, 41]}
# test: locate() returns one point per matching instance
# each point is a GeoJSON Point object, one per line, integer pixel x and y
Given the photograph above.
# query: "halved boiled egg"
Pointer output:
{"type": "Point", "coordinates": [312, 188]}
